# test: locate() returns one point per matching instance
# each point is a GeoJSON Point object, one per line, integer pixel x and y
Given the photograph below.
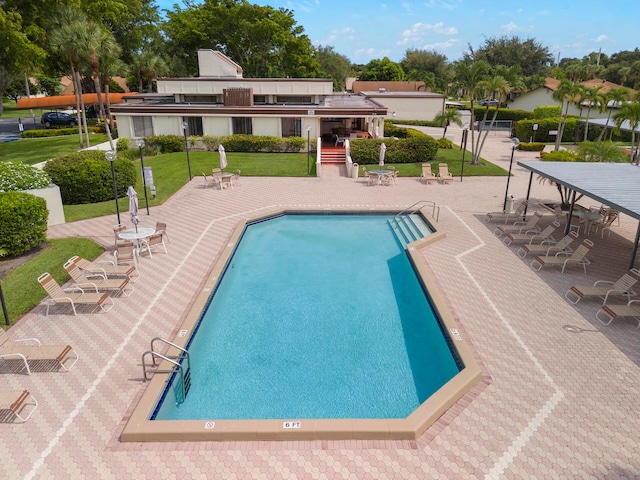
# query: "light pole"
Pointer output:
{"type": "Point", "coordinates": [185, 127]}
{"type": "Point", "coordinates": [140, 144]}
{"type": "Point", "coordinates": [465, 131]}
{"type": "Point", "coordinates": [111, 156]}
{"type": "Point", "coordinates": [308, 149]}
{"type": "Point", "coordinates": [514, 143]}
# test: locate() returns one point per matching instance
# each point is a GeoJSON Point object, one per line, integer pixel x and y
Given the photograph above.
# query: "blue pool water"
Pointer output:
{"type": "Point", "coordinates": [317, 316]}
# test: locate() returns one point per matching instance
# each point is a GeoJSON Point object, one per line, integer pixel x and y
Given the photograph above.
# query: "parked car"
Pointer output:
{"type": "Point", "coordinates": [55, 119]}
{"type": "Point", "coordinates": [489, 102]}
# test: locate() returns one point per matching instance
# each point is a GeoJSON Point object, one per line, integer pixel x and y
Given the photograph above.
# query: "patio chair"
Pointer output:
{"type": "Point", "coordinates": [14, 402]}
{"type": "Point", "coordinates": [520, 226]}
{"type": "Point", "coordinates": [35, 356]}
{"type": "Point", "coordinates": [604, 289]}
{"type": "Point", "coordinates": [226, 181]}
{"type": "Point", "coordinates": [606, 222]}
{"type": "Point", "coordinates": [117, 229]}
{"type": "Point", "coordinates": [153, 242]}
{"type": "Point", "coordinates": [126, 253]}
{"type": "Point", "coordinates": [561, 247]}
{"type": "Point", "coordinates": [107, 268]}
{"type": "Point", "coordinates": [443, 173]}
{"type": "Point", "coordinates": [506, 216]}
{"type": "Point", "coordinates": [119, 286]}
{"type": "Point", "coordinates": [579, 257]}
{"type": "Point", "coordinates": [608, 313]}
{"type": "Point", "coordinates": [374, 178]}
{"type": "Point", "coordinates": [427, 175]}
{"type": "Point", "coordinates": [161, 227]}
{"type": "Point", "coordinates": [207, 181]}
{"type": "Point", "coordinates": [544, 237]}
{"type": "Point", "coordinates": [216, 177]}
{"type": "Point", "coordinates": [73, 296]}
{"type": "Point", "coordinates": [236, 177]}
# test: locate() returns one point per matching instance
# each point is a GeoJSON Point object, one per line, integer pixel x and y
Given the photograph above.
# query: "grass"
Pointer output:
{"type": "Point", "coordinates": [9, 111]}
{"type": "Point", "coordinates": [35, 150]}
{"type": "Point", "coordinates": [22, 292]}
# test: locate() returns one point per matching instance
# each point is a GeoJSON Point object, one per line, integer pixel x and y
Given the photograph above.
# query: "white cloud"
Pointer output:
{"type": "Point", "coordinates": [441, 45]}
{"type": "Point", "coordinates": [510, 27]}
{"type": "Point", "coordinates": [601, 38]}
{"type": "Point", "coordinates": [447, 5]}
{"type": "Point", "coordinates": [419, 31]}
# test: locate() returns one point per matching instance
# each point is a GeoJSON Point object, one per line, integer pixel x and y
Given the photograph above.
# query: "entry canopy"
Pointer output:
{"type": "Point", "coordinates": [65, 101]}
{"type": "Point", "coordinates": [614, 184]}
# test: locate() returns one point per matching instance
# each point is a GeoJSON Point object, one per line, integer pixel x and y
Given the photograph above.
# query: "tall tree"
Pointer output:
{"type": "Point", "coordinates": [469, 78]}
{"type": "Point", "coordinates": [566, 93]}
{"type": "Point", "coordinates": [382, 70]}
{"type": "Point", "coordinates": [630, 112]}
{"type": "Point", "coordinates": [446, 117]}
{"type": "Point", "coordinates": [531, 55]}
{"type": "Point", "coordinates": [493, 87]}
{"type": "Point", "coordinates": [334, 66]}
{"type": "Point", "coordinates": [17, 52]}
{"type": "Point", "coordinates": [594, 99]}
{"type": "Point", "coordinates": [428, 66]}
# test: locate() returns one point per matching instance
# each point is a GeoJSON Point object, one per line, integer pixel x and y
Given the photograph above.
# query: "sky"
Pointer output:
{"type": "Point", "coordinates": [366, 30]}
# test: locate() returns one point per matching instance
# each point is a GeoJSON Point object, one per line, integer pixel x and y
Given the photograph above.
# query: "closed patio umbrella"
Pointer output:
{"type": "Point", "coordinates": [383, 149]}
{"type": "Point", "coordinates": [133, 206]}
{"type": "Point", "coordinates": [223, 157]}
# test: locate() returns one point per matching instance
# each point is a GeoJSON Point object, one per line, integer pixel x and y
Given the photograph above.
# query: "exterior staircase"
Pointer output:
{"type": "Point", "coordinates": [334, 155]}
{"type": "Point", "coordinates": [409, 228]}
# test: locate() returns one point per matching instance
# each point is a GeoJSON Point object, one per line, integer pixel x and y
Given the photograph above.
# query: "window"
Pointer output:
{"type": "Point", "coordinates": [202, 99]}
{"type": "Point", "coordinates": [242, 125]}
{"type": "Point", "coordinates": [259, 99]}
{"type": "Point", "coordinates": [294, 99]}
{"type": "Point", "coordinates": [142, 127]}
{"type": "Point", "coordinates": [195, 125]}
{"type": "Point", "coordinates": [291, 127]}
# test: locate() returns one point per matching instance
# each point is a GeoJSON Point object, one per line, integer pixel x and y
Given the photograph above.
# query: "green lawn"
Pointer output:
{"type": "Point", "coordinates": [9, 111]}
{"type": "Point", "coordinates": [35, 150]}
{"type": "Point", "coordinates": [21, 290]}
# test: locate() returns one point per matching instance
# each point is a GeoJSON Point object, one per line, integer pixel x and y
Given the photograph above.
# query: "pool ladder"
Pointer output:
{"type": "Point", "coordinates": [409, 225]}
{"type": "Point", "coordinates": [182, 386]}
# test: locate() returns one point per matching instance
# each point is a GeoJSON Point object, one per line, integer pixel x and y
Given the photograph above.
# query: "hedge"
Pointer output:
{"type": "Point", "coordinates": [549, 111]}
{"type": "Point", "coordinates": [408, 150]}
{"type": "Point", "coordinates": [18, 176]}
{"type": "Point", "coordinates": [56, 132]}
{"type": "Point", "coordinates": [85, 177]}
{"type": "Point", "coordinates": [23, 222]}
{"type": "Point", "coordinates": [503, 114]}
{"type": "Point", "coordinates": [531, 147]}
{"type": "Point", "coordinates": [232, 143]}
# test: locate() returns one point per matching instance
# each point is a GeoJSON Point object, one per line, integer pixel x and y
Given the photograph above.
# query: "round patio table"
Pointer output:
{"type": "Point", "coordinates": [137, 236]}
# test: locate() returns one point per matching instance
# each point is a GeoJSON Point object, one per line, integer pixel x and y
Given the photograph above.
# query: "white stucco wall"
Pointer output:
{"type": "Point", "coordinates": [266, 126]}
{"type": "Point", "coordinates": [544, 97]}
{"type": "Point", "coordinates": [51, 195]}
{"type": "Point", "coordinates": [411, 108]}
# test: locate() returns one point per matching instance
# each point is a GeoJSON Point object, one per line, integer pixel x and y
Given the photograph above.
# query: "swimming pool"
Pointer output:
{"type": "Point", "coordinates": [296, 417]}
{"type": "Point", "coordinates": [317, 316]}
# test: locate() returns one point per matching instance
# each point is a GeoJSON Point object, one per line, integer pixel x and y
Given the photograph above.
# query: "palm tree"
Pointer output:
{"type": "Point", "coordinates": [495, 87]}
{"type": "Point", "coordinates": [447, 116]}
{"type": "Point", "coordinates": [614, 99]}
{"type": "Point", "coordinates": [630, 112]}
{"type": "Point", "coordinates": [566, 92]}
{"type": "Point", "coordinates": [592, 97]}
{"type": "Point", "coordinates": [602, 152]}
{"type": "Point", "coordinates": [468, 77]}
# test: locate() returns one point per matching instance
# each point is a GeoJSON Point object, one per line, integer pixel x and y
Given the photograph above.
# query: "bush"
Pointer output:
{"type": "Point", "coordinates": [531, 147]}
{"type": "Point", "coordinates": [561, 156]}
{"type": "Point", "coordinates": [85, 177]}
{"type": "Point", "coordinates": [524, 129]}
{"type": "Point", "coordinates": [445, 143]}
{"type": "Point", "coordinates": [23, 222]}
{"type": "Point", "coordinates": [550, 111]}
{"type": "Point", "coordinates": [49, 132]}
{"type": "Point", "coordinates": [165, 143]}
{"type": "Point", "coordinates": [503, 114]}
{"type": "Point", "coordinates": [18, 176]}
{"type": "Point", "coordinates": [409, 150]}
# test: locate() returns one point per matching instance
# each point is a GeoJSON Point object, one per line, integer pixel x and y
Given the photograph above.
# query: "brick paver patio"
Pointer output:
{"type": "Point", "coordinates": [558, 397]}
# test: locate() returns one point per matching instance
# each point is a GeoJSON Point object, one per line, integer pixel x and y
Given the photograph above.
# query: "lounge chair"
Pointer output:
{"type": "Point", "coordinates": [34, 355]}
{"type": "Point", "coordinates": [118, 285]}
{"type": "Point", "coordinates": [74, 296]}
{"type": "Point", "coordinates": [544, 237]}
{"type": "Point", "coordinates": [520, 226]}
{"type": "Point", "coordinates": [14, 402]}
{"type": "Point", "coordinates": [443, 173]}
{"type": "Point", "coordinates": [561, 247]}
{"type": "Point", "coordinates": [608, 313]}
{"type": "Point", "coordinates": [107, 268]}
{"type": "Point", "coordinates": [605, 289]}
{"type": "Point", "coordinates": [427, 175]}
{"type": "Point", "coordinates": [579, 257]}
{"type": "Point", "coordinates": [499, 216]}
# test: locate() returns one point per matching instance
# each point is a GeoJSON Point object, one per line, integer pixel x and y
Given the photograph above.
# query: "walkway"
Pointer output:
{"type": "Point", "coordinates": [559, 397]}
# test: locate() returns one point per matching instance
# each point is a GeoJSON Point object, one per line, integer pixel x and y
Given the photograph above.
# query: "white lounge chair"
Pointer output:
{"type": "Point", "coordinates": [561, 247]}
{"type": "Point", "coordinates": [604, 289]}
{"type": "Point", "coordinates": [579, 257]}
{"type": "Point", "coordinates": [499, 216]}
{"type": "Point", "coordinates": [608, 313]}
{"type": "Point", "coordinates": [18, 404]}
{"type": "Point", "coordinates": [520, 226]}
{"type": "Point", "coordinates": [119, 286]}
{"type": "Point", "coordinates": [34, 355]}
{"type": "Point", "coordinates": [544, 237]}
{"type": "Point", "coordinates": [73, 296]}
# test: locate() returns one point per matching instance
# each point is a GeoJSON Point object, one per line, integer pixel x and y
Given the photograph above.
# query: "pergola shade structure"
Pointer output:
{"type": "Point", "coordinates": [614, 184]}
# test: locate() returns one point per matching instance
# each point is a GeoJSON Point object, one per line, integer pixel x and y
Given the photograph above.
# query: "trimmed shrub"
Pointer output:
{"type": "Point", "coordinates": [421, 123]}
{"type": "Point", "coordinates": [531, 147]}
{"type": "Point", "coordinates": [445, 143]}
{"type": "Point", "coordinates": [561, 156]}
{"type": "Point", "coordinates": [18, 176]}
{"type": "Point", "coordinates": [409, 150]}
{"type": "Point", "coordinates": [56, 132]}
{"type": "Point", "coordinates": [524, 129]}
{"type": "Point", "coordinates": [85, 177]}
{"type": "Point", "coordinates": [503, 114]}
{"type": "Point", "coordinates": [165, 143]}
{"type": "Point", "coordinates": [23, 222]}
{"type": "Point", "coordinates": [550, 111]}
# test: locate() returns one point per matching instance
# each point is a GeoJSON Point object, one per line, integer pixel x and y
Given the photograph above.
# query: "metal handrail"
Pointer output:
{"type": "Point", "coordinates": [424, 203]}
{"type": "Point", "coordinates": [176, 366]}
{"type": "Point", "coordinates": [184, 353]}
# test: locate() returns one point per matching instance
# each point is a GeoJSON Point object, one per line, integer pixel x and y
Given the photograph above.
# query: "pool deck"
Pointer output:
{"type": "Point", "coordinates": [559, 392]}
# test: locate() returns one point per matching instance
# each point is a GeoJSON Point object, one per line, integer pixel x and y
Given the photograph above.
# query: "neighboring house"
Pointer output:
{"type": "Point", "coordinates": [67, 85]}
{"type": "Point", "coordinates": [389, 86]}
{"type": "Point", "coordinates": [409, 105]}
{"type": "Point", "coordinates": [543, 96]}
{"type": "Point", "coordinates": [221, 102]}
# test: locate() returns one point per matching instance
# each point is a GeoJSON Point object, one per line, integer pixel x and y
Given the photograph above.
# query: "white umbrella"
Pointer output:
{"type": "Point", "coordinates": [383, 149]}
{"type": "Point", "coordinates": [223, 157]}
{"type": "Point", "coordinates": [133, 206]}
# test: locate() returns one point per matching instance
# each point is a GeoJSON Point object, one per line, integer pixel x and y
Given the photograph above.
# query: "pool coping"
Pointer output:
{"type": "Point", "coordinates": [140, 429]}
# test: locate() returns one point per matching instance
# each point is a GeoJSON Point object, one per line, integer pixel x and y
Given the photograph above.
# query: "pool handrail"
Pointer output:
{"type": "Point", "coordinates": [419, 204]}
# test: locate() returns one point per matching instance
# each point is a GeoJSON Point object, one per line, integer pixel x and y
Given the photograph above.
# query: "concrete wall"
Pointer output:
{"type": "Point", "coordinates": [51, 195]}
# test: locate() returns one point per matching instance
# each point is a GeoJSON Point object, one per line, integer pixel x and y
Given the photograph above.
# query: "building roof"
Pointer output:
{"type": "Point", "coordinates": [408, 86]}
{"type": "Point", "coordinates": [65, 101]}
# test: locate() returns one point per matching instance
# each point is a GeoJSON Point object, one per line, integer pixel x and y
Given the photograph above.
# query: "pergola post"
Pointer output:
{"type": "Point", "coordinates": [635, 248]}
